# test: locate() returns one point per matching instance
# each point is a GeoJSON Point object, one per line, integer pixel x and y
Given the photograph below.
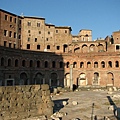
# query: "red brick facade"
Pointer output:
{"type": "Point", "coordinates": [33, 52]}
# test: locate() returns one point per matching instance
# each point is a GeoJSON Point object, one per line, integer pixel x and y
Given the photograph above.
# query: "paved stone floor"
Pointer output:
{"type": "Point", "coordinates": [85, 109]}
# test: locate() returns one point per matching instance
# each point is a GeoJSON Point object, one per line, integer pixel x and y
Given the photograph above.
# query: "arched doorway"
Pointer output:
{"type": "Point", "coordinates": [54, 79]}
{"type": "Point", "coordinates": [82, 80]}
{"type": "Point", "coordinates": [23, 79]}
{"type": "Point", "coordinates": [96, 79]}
{"type": "Point", "coordinates": [110, 79]}
{"type": "Point", "coordinates": [38, 78]}
{"type": "Point", "coordinates": [67, 80]}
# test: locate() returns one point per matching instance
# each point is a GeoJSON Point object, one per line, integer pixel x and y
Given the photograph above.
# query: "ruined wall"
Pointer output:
{"type": "Point", "coordinates": [20, 102]}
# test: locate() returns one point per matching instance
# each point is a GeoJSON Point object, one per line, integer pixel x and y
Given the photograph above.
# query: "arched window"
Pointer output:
{"type": "Point", "coordinates": [74, 65]}
{"type": "Point", "coordinates": [116, 63]}
{"type": "Point", "coordinates": [84, 48]}
{"type": "Point", "coordinates": [81, 64]}
{"type": "Point", "coordinates": [38, 64]}
{"type": "Point", "coordinates": [103, 64]}
{"type": "Point", "coordinates": [61, 64]}
{"type": "Point", "coordinates": [16, 63]}
{"type": "Point", "coordinates": [53, 64]}
{"type": "Point", "coordinates": [67, 65]}
{"type": "Point", "coordinates": [88, 64]}
{"type": "Point", "coordinates": [92, 48]}
{"type": "Point", "coordinates": [31, 63]}
{"type": "Point", "coordinates": [9, 62]}
{"type": "Point", "coordinates": [65, 48]}
{"type": "Point", "coordinates": [109, 64]}
{"type": "Point", "coordinates": [95, 64]}
{"type": "Point", "coordinates": [100, 48]}
{"type": "Point", "coordinates": [46, 64]}
{"type": "Point", "coordinates": [2, 61]}
{"type": "Point", "coordinates": [23, 63]}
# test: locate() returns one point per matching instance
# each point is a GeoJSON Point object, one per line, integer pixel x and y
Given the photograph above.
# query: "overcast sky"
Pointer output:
{"type": "Point", "coordinates": [101, 16]}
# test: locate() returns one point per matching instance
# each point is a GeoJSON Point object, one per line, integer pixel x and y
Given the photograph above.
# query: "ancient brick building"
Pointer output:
{"type": "Point", "coordinates": [34, 52]}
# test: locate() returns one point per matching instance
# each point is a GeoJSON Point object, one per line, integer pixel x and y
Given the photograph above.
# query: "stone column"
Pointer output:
{"type": "Point", "coordinates": [43, 80]}
{"type": "Point", "coordinates": [71, 77]}
{"type": "Point", "coordinates": [50, 82]}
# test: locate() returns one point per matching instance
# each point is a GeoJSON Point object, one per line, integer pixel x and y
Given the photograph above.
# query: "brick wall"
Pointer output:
{"type": "Point", "coordinates": [20, 102]}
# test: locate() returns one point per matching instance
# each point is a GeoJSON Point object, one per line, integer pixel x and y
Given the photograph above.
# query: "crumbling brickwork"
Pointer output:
{"type": "Point", "coordinates": [20, 102]}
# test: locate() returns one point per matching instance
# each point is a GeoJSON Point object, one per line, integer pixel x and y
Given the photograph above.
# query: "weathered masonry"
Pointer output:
{"type": "Point", "coordinates": [20, 102]}
{"type": "Point", "coordinates": [35, 52]}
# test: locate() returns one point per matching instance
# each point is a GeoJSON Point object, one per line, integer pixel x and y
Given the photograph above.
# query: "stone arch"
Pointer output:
{"type": "Point", "coordinates": [95, 64]}
{"type": "Point", "coordinates": [76, 49]}
{"type": "Point", "coordinates": [16, 63]}
{"type": "Point", "coordinates": [92, 48]}
{"type": "Point", "coordinates": [109, 64]}
{"type": "Point", "coordinates": [65, 48]}
{"type": "Point", "coordinates": [46, 64]}
{"type": "Point", "coordinates": [2, 61]}
{"type": "Point", "coordinates": [54, 79]}
{"type": "Point", "coordinates": [31, 63]}
{"type": "Point", "coordinates": [38, 78]}
{"type": "Point", "coordinates": [82, 81]}
{"type": "Point", "coordinates": [110, 79]}
{"type": "Point", "coordinates": [74, 64]}
{"type": "Point", "coordinates": [96, 78]}
{"type": "Point", "coordinates": [38, 63]}
{"type": "Point", "coordinates": [103, 64]}
{"type": "Point", "coordinates": [23, 63]}
{"type": "Point", "coordinates": [67, 80]}
{"type": "Point", "coordinates": [81, 64]}
{"type": "Point", "coordinates": [23, 79]}
{"type": "Point", "coordinates": [116, 63]}
{"type": "Point", "coordinates": [67, 65]}
{"type": "Point", "coordinates": [9, 62]}
{"type": "Point", "coordinates": [89, 64]}
{"type": "Point", "coordinates": [100, 48]}
{"type": "Point", "coordinates": [84, 48]}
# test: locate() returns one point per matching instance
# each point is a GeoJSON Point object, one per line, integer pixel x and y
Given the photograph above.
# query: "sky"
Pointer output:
{"type": "Point", "coordinates": [100, 16]}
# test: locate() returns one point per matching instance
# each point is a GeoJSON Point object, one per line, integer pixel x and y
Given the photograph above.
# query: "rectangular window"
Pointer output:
{"type": "Point", "coordinates": [5, 32]}
{"type": "Point", "coordinates": [5, 43]}
{"type": "Point", "coordinates": [19, 21]}
{"type": "Point", "coordinates": [117, 47]}
{"type": "Point", "coordinates": [28, 31]}
{"type": "Point", "coordinates": [29, 23]}
{"type": "Point", "coordinates": [10, 19]}
{"type": "Point", "coordinates": [6, 17]}
{"type": "Point", "coordinates": [38, 24]}
{"type": "Point", "coordinates": [10, 34]}
{"type": "Point", "coordinates": [10, 45]}
{"type": "Point", "coordinates": [56, 31]}
{"type": "Point", "coordinates": [39, 32]}
{"type": "Point", "coordinates": [28, 39]}
{"type": "Point", "coordinates": [38, 47]}
{"type": "Point", "coordinates": [58, 47]}
{"type": "Point", "coordinates": [48, 32]}
{"type": "Point", "coordinates": [15, 20]}
{"type": "Point", "coordinates": [14, 34]}
{"type": "Point", "coordinates": [65, 31]}
{"type": "Point", "coordinates": [35, 39]}
{"type": "Point", "coordinates": [28, 46]}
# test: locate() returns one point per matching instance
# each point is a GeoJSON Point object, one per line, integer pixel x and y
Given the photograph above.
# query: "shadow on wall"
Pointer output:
{"type": "Point", "coordinates": [25, 67]}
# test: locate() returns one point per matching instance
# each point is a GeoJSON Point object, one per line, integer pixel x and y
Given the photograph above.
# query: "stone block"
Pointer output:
{"type": "Point", "coordinates": [45, 87]}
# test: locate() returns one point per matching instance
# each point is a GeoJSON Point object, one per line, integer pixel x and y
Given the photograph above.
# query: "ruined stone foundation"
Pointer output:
{"type": "Point", "coordinates": [20, 102]}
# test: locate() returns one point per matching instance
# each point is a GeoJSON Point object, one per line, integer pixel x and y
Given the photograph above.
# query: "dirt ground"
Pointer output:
{"type": "Point", "coordinates": [90, 104]}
